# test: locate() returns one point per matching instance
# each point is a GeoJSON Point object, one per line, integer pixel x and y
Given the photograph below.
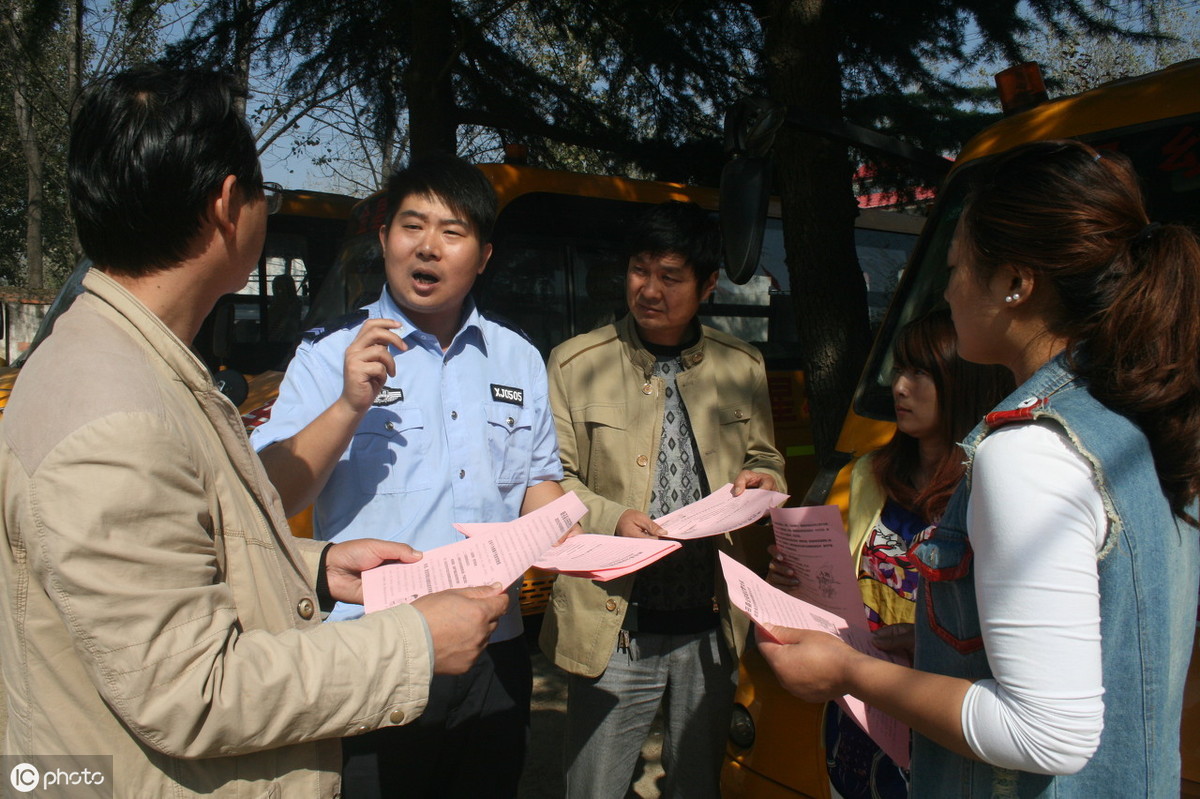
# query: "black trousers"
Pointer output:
{"type": "Point", "coordinates": [470, 741]}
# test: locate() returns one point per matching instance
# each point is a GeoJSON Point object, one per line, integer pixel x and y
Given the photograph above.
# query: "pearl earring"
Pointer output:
{"type": "Point", "coordinates": [1012, 297]}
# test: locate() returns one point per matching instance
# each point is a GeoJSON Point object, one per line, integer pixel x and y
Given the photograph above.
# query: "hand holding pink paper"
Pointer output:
{"type": "Point", "coordinates": [765, 604]}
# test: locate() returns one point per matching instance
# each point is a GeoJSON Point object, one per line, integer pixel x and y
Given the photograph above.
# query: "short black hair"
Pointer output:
{"type": "Point", "coordinates": [681, 228]}
{"type": "Point", "coordinates": [450, 179]}
{"type": "Point", "coordinates": [149, 146]}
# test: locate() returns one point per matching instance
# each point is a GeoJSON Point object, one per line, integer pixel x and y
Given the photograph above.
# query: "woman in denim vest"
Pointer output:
{"type": "Point", "coordinates": [1058, 595]}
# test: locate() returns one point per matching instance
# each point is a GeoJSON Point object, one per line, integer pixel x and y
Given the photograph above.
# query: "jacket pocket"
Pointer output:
{"type": "Point", "coordinates": [597, 415]}
{"type": "Point", "coordinates": [609, 450]}
{"type": "Point", "coordinates": [733, 423]}
{"type": "Point", "coordinates": [387, 451]}
{"type": "Point", "coordinates": [945, 560]}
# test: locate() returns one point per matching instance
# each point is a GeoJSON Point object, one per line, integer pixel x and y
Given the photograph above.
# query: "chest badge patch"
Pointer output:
{"type": "Point", "coordinates": [388, 396]}
{"type": "Point", "coordinates": [513, 396]}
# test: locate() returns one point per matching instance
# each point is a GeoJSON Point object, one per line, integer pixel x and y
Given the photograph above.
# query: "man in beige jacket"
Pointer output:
{"type": "Point", "coordinates": [155, 608]}
{"type": "Point", "coordinates": [653, 413]}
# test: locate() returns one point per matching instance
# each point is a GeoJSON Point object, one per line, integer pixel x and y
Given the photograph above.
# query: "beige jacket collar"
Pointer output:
{"type": "Point", "coordinates": [174, 352]}
{"type": "Point", "coordinates": [642, 358]}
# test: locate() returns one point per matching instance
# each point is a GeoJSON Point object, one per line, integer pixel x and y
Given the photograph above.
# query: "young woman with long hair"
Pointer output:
{"type": "Point", "coordinates": [1058, 596]}
{"type": "Point", "coordinates": [897, 493]}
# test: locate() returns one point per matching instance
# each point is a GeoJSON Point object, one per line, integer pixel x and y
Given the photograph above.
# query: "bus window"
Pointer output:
{"type": "Point", "coordinates": [256, 329]}
{"type": "Point", "coordinates": [599, 279]}
{"type": "Point", "coordinates": [526, 284]}
{"type": "Point", "coordinates": [557, 267]}
{"type": "Point", "coordinates": [558, 270]}
{"type": "Point", "coordinates": [1166, 156]}
{"type": "Point", "coordinates": [762, 312]}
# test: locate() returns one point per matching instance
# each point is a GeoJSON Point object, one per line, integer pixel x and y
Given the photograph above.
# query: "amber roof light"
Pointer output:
{"type": "Point", "coordinates": [1021, 87]}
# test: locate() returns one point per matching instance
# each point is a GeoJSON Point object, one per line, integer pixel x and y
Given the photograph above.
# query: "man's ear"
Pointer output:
{"type": "Point", "coordinates": [709, 285]}
{"type": "Point", "coordinates": [225, 204]}
{"type": "Point", "coordinates": [485, 254]}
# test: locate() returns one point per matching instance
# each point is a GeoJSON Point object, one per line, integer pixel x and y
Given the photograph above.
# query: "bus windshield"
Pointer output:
{"type": "Point", "coordinates": [1166, 154]}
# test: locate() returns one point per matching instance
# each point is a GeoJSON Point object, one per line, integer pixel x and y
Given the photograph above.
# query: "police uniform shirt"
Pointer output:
{"type": "Point", "coordinates": [453, 437]}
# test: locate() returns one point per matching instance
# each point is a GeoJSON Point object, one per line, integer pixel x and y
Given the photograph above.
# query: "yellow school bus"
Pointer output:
{"type": "Point", "coordinates": [557, 270]}
{"type": "Point", "coordinates": [776, 744]}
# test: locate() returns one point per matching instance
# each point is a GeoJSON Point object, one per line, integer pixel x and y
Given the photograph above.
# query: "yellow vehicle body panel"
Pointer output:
{"type": "Point", "coordinates": [1156, 96]}
{"type": "Point", "coordinates": [788, 757]}
{"type": "Point", "coordinates": [788, 741]}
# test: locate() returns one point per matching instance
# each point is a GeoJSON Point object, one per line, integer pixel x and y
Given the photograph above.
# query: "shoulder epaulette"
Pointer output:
{"type": "Point", "coordinates": [1026, 412]}
{"type": "Point", "coordinates": [508, 324]}
{"type": "Point", "coordinates": [352, 319]}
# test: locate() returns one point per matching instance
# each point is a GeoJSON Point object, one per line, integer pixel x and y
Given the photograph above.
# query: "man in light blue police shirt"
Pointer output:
{"type": "Point", "coordinates": [399, 420]}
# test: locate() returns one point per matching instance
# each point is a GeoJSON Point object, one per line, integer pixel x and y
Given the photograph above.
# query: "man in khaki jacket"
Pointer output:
{"type": "Point", "coordinates": [653, 413]}
{"type": "Point", "coordinates": [155, 608]}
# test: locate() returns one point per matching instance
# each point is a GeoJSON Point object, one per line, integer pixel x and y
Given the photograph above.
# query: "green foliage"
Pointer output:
{"type": "Point", "coordinates": [611, 85]}
{"type": "Point", "coordinates": [36, 39]}
{"type": "Point", "coordinates": [39, 46]}
{"type": "Point", "coordinates": [1074, 61]}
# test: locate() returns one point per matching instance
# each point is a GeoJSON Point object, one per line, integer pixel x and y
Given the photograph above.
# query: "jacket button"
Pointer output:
{"type": "Point", "coordinates": [737, 414]}
{"type": "Point", "coordinates": [642, 460]}
{"type": "Point", "coordinates": [511, 421]}
{"type": "Point", "coordinates": [397, 717]}
{"type": "Point", "coordinates": [647, 388]}
{"type": "Point", "coordinates": [305, 608]}
{"type": "Point", "coordinates": [611, 604]}
{"type": "Point", "coordinates": [697, 358]}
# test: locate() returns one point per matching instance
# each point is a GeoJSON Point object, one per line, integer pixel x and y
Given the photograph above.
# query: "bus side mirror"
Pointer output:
{"type": "Point", "coordinates": [750, 127]}
{"type": "Point", "coordinates": [745, 193]}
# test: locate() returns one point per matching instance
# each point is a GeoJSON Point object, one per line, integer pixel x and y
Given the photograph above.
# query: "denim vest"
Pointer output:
{"type": "Point", "coordinates": [1148, 567]}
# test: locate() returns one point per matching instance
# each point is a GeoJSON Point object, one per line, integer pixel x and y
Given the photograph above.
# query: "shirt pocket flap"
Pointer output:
{"type": "Point", "coordinates": [604, 415]}
{"type": "Point", "coordinates": [509, 417]}
{"type": "Point", "coordinates": [391, 423]}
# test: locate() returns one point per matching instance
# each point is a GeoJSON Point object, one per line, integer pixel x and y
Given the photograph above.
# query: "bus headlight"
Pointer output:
{"type": "Point", "coordinates": [741, 728]}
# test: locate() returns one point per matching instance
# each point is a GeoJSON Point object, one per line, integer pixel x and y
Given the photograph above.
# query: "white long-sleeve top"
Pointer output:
{"type": "Point", "coordinates": [1036, 522]}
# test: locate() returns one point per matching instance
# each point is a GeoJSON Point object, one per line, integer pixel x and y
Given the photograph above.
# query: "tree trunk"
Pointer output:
{"type": "Point", "coordinates": [427, 83]}
{"type": "Point", "coordinates": [23, 115]}
{"type": "Point", "coordinates": [244, 28]}
{"type": "Point", "coordinates": [74, 88]}
{"type": "Point", "coordinates": [35, 196]}
{"type": "Point", "coordinates": [818, 204]}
